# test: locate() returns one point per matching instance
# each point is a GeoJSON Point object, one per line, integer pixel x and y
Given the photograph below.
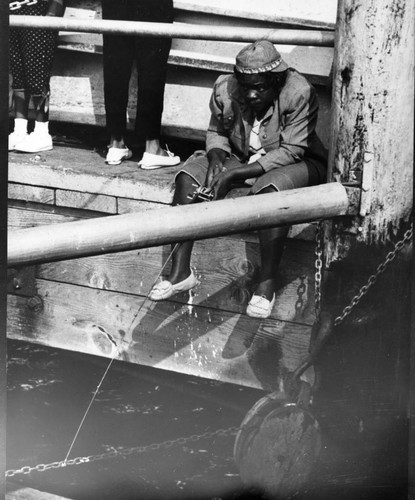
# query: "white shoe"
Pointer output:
{"type": "Point", "coordinates": [35, 143]}
{"type": "Point", "coordinates": [15, 138]}
{"type": "Point", "coordinates": [260, 307]}
{"type": "Point", "coordinates": [116, 155]}
{"type": "Point", "coordinates": [150, 161]}
{"type": "Point", "coordinates": [165, 289]}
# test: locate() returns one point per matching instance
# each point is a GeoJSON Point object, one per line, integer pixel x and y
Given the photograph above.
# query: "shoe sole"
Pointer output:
{"type": "Point", "coordinates": [117, 162]}
{"type": "Point", "coordinates": [154, 167]}
{"type": "Point", "coordinates": [173, 291]}
{"type": "Point", "coordinates": [49, 148]}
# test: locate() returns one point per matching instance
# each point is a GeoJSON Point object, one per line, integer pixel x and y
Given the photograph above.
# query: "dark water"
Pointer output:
{"type": "Point", "coordinates": [49, 390]}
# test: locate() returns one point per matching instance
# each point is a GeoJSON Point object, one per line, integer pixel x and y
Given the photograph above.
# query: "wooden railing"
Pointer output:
{"type": "Point", "coordinates": [173, 224]}
{"type": "Point", "coordinates": [315, 38]}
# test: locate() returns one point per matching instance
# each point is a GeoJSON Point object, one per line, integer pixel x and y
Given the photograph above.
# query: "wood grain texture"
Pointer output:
{"type": "Point", "coordinates": [196, 340]}
{"type": "Point", "coordinates": [86, 201]}
{"type": "Point", "coordinates": [31, 193]}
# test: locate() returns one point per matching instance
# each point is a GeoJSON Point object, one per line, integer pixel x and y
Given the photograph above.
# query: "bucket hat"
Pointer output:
{"type": "Point", "coordinates": [260, 57]}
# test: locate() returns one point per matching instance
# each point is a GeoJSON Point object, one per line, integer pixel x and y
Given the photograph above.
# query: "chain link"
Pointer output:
{"type": "Point", "coordinates": [17, 5]}
{"type": "Point", "coordinates": [301, 289]}
{"type": "Point", "coordinates": [123, 453]}
{"type": "Point", "coordinates": [365, 288]}
{"type": "Point", "coordinates": [319, 267]}
{"type": "Point", "coordinates": [379, 270]}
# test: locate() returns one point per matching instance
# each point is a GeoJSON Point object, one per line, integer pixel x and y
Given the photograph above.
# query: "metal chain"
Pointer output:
{"type": "Point", "coordinates": [365, 288]}
{"type": "Point", "coordinates": [379, 270]}
{"type": "Point", "coordinates": [319, 267]}
{"type": "Point", "coordinates": [301, 289]}
{"type": "Point", "coordinates": [17, 5]}
{"type": "Point", "coordinates": [122, 453]}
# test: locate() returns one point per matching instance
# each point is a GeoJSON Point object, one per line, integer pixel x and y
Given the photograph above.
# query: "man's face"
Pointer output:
{"type": "Point", "coordinates": [258, 92]}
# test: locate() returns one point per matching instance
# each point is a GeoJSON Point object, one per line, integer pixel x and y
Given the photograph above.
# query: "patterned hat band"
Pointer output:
{"type": "Point", "coordinates": [263, 69]}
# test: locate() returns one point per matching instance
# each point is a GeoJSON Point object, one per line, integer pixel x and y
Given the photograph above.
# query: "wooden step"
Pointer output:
{"type": "Point", "coordinates": [77, 83]}
{"type": "Point", "coordinates": [315, 62]}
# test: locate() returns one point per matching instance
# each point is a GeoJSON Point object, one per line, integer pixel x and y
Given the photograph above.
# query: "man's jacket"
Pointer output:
{"type": "Point", "coordinates": [287, 131]}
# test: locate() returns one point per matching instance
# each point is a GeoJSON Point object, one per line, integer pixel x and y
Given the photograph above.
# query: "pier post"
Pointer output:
{"type": "Point", "coordinates": [371, 147]}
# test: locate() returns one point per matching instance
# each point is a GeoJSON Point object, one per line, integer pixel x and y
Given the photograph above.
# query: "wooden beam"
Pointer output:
{"type": "Point", "coordinates": [372, 118]}
{"type": "Point", "coordinates": [372, 146]}
{"type": "Point", "coordinates": [167, 225]}
{"type": "Point", "coordinates": [170, 30]}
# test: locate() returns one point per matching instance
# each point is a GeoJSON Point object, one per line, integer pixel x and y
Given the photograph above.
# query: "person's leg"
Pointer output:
{"type": "Point", "coordinates": [118, 57]}
{"type": "Point", "coordinates": [38, 50]}
{"type": "Point", "coordinates": [182, 252]}
{"type": "Point", "coordinates": [152, 55]}
{"type": "Point", "coordinates": [181, 277]}
{"type": "Point", "coordinates": [272, 241]}
{"type": "Point", "coordinates": [20, 96]}
{"type": "Point", "coordinates": [193, 175]}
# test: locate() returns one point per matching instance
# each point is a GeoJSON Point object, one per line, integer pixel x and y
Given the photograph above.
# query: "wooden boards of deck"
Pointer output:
{"type": "Point", "coordinates": [91, 304]}
{"type": "Point", "coordinates": [87, 302]}
{"type": "Point", "coordinates": [79, 178]}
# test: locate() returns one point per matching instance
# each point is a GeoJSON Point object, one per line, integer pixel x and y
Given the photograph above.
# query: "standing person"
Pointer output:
{"type": "Point", "coordinates": [261, 132]}
{"type": "Point", "coordinates": [31, 57]}
{"type": "Point", "coordinates": [150, 54]}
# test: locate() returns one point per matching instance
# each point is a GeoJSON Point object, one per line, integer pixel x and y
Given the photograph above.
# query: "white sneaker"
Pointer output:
{"type": "Point", "coordinates": [35, 143]}
{"type": "Point", "coordinates": [150, 161]}
{"type": "Point", "coordinates": [15, 138]}
{"type": "Point", "coordinates": [116, 155]}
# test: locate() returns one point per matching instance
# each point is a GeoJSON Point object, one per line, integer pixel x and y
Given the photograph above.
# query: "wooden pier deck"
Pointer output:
{"type": "Point", "coordinates": [80, 304]}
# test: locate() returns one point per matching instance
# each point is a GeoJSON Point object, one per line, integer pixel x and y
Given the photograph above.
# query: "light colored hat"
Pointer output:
{"type": "Point", "coordinates": [259, 57]}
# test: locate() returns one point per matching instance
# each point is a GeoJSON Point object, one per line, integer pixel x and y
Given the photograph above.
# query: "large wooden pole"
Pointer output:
{"type": "Point", "coordinates": [372, 117]}
{"type": "Point", "coordinates": [189, 31]}
{"type": "Point", "coordinates": [172, 224]}
{"type": "Point", "coordinates": [372, 147]}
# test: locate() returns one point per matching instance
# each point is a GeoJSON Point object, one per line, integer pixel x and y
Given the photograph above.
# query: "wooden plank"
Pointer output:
{"type": "Point", "coordinates": [126, 205]}
{"type": "Point", "coordinates": [189, 339]}
{"type": "Point", "coordinates": [225, 267]}
{"type": "Point", "coordinates": [56, 169]}
{"type": "Point", "coordinates": [314, 13]}
{"type": "Point", "coordinates": [186, 91]}
{"type": "Point", "coordinates": [21, 217]}
{"type": "Point", "coordinates": [173, 224]}
{"type": "Point", "coordinates": [87, 201]}
{"type": "Point", "coordinates": [31, 193]}
{"type": "Point", "coordinates": [135, 189]}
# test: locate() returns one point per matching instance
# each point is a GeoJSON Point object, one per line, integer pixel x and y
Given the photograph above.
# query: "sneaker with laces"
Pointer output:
{"type": "Point", "coordinates": [116, 155]}
{"type": "Point", "coordinates": [35, 143]}
{"type": "Point", "coordinates": [15, 138]}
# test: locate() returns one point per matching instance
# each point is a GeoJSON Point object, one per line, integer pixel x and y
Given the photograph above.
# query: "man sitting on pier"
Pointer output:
{"type": "Point", "coordinates": [261, 134]}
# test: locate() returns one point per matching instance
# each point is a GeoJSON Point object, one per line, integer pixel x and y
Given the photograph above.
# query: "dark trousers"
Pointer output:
{"type": "Point", "coordinates": [150, 55]}
{"type": "Point", "coordinates": [31, 53]}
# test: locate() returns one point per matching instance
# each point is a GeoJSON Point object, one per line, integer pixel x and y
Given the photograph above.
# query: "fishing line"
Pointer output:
{"type": "Point", "coordinates": [115, 354]}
